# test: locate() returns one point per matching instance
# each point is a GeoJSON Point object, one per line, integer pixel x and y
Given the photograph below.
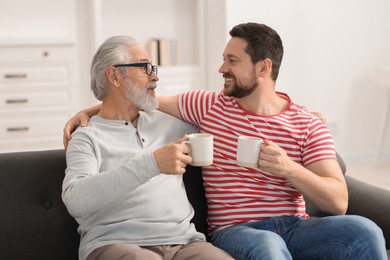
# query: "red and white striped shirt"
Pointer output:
{"type": "Point", "coordinates": [237, 194]}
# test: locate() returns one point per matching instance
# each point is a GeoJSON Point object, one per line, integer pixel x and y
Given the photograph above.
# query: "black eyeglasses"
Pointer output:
{"type": "Point", "coordinates": [149, 68]}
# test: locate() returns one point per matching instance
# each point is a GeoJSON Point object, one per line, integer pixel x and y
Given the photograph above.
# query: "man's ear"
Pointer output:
{"type": "Point", "coordinates": [113, 76]}
{"type": "Point", "coordinates": [264, 67]}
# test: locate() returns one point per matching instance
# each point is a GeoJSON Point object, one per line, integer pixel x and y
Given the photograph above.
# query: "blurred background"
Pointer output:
{"type": "Point", "coordinates": [334, 51]}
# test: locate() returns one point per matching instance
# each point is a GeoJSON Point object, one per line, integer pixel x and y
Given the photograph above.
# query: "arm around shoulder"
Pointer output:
{"type": "Point", "coordinates": [81, 118]}
{"type": "Point", "coordinates": [169, 104]}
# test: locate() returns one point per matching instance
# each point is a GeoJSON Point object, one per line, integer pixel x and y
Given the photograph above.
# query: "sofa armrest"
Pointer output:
{"type": "Point", "coordinates": [370, 201]}
{"type": "Point", "coordinates": [364, 200]}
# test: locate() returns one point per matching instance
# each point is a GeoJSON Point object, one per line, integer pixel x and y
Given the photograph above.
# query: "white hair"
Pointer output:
{"type": "Point", "coordinates": [114, 50]}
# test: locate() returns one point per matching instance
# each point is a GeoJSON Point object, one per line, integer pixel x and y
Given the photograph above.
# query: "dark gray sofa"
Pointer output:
{"type": "Point", "coordinates": [34, 223]}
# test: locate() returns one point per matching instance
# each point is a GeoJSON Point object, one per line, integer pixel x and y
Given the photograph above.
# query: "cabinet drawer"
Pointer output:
{"type": "Point", "coordinates": [30, 76]}
{"type": "Point", "coordinates": [33, 100]}
{"type": "Point", "coordinates": [32, 127]}
{"type": "Point", "coordinates": [37, 53]}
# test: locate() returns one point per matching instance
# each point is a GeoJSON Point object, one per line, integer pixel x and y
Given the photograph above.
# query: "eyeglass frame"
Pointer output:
{"type": "Point", "coordinates": [154, 68]}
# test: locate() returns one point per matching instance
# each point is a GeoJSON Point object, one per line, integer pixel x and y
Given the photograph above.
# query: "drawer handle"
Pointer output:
{"type": "Point", "coordinates": [18, 129]}
{"type": "Point", "coordinates": [45, 54]}
{"type": "Point", "coordinates": [17, 101]}
{"type": "Point", "coordinates": [15, 76]}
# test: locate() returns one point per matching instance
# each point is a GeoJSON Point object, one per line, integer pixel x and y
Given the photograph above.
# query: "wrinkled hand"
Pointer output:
{"type": "Point", "coordinates": [79, 119]}
{"type": "Point", "coordinates": [173, 158]}
{"type": "Point", "coordinates": [274, 160]}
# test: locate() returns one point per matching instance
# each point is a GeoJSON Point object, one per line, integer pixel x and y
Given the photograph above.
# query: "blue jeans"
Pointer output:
{"type": "Point", "coordinates": [334, 237]}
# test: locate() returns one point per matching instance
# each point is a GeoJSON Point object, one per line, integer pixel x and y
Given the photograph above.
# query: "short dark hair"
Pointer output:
{"type": "Point", "coordinates": [263, 42]}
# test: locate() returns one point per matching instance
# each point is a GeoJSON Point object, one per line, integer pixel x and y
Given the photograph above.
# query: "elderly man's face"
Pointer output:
{"type": "Point", "coordinates": [139, 85]}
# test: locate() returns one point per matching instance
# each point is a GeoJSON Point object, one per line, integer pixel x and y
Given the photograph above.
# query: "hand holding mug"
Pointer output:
{"type": "Point", "coordinates": [173, 158]}
{"type": "Point", "coordinates": [274, 160]}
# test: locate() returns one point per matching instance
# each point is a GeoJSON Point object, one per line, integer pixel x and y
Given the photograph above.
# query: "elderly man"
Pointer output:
{"type": "Point", "coordinates": [123, 180]}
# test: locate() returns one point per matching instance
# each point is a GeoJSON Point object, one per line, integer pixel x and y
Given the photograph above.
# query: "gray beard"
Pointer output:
{"type": "Point", "coordinates": [140, 98]}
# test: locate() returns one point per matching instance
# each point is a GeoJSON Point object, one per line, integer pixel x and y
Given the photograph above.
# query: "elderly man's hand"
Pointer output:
{"type": "Point", "coordinates": [173, 158]}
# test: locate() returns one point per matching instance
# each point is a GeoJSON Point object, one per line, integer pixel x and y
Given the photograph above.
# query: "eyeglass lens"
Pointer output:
{"type": "Point", "coordinates": [151, 68]}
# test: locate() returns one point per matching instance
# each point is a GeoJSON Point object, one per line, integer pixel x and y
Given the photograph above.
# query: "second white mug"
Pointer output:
{"type": "Point", "coordinates": [248, 150]}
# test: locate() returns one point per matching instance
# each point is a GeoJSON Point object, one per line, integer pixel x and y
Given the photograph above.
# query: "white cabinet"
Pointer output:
{"type": "Point", "coordinates": [38, 72]}
{"type": "Point", "coordinates": [37, 94]}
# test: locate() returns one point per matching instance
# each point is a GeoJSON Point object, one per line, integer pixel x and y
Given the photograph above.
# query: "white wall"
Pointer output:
{"type": "Point", "coordinates": [332, 49]}
{"type": "Point", "coordinates": [27, 21]}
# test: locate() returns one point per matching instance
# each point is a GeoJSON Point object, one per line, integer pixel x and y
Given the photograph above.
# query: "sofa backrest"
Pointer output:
{"type": "Point", "coordinates": [194, 186]}
{"type": "Point", "coordinates": [34, 223]}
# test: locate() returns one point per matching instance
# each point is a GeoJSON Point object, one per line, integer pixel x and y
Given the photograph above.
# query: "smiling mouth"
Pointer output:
{"type": "Point", "coordinates": [228, 81]}
{"type": "Point", "coordinates": [228, 78]}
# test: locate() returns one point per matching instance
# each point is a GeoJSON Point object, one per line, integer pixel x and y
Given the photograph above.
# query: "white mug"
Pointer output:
{"type": "Point", "coordinates": [248, 150]}
{"type": "Point", "coordinates": [201, 149]}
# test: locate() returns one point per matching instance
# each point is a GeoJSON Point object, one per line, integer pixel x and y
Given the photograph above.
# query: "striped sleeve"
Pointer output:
{"type": "Point", "coordinates": [319, 144]}
{"type": "Point", "coordinates": [193, 105]}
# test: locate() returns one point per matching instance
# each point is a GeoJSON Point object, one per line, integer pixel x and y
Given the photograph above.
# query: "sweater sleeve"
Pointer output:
{"type": "Point", "coordinates": [85, 190]}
